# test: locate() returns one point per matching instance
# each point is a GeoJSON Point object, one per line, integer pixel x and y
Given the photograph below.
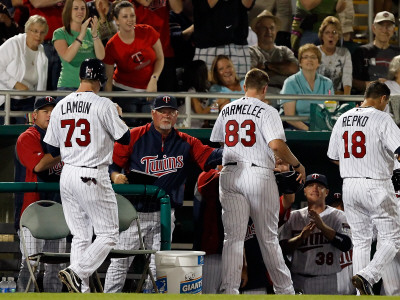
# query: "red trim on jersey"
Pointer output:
{"type": "Point", "coordinates": [30, 153]}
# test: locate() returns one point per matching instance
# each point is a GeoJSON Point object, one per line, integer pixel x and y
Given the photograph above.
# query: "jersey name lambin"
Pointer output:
{"type": "Point", "coordinates": [243, 109]}
{"type": "Point", "coordinates": [75, 107]}
{"type": "Point", "coordinates": [360, 121]}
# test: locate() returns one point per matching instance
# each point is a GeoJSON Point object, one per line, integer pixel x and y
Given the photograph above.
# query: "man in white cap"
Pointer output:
{"type": "Point", "coordinates": [278, 61]}
{"type": "Point", "coordinates": [371, 61]}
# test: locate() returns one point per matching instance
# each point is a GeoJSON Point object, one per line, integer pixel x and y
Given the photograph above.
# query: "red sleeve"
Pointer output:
{"type": "Point", "coordinates": [283, 214]}
{"type": "Point", "coordinates": [122, 153]}
{"type": "Point", "coordinates": [29, 149]}
{"type": "Point", "coordinates": [198, 151]}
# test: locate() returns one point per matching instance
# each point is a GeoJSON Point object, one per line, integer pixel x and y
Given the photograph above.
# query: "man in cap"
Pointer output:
{"type": "Point", "coordinates": [34, 164]}
{"type": "Point", "coordinates": [278, 61]}
{"type": "Point", "coordinates": [371, 61]}
{"type": "Point", "coordinates": [159, 149]}
{"type": "Point", "coordinates": [316, 236]}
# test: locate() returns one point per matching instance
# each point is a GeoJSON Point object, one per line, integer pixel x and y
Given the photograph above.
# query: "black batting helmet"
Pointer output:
{"type": "Point", "coordinates": [93, 69]}
{"type": "Point", "coordinates": [396, 180]}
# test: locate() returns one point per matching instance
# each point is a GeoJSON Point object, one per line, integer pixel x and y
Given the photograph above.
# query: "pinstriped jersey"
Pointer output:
{"type": "Point", "coordinates": [364, 140]}
{"type": "Point", "coordinates": [316, 255]}
{"type": "Point", "coordinates": [246, 126]}
{"type": "Point", "coordinates": [84, 127]}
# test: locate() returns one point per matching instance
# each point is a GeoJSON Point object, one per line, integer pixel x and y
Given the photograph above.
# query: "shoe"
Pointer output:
{"type": "Point", "coordinates": [362, 285]}
{"type": "Point", "coordinates": [71, 280]}
{"type": "Point", "coordinates": [298, 292]}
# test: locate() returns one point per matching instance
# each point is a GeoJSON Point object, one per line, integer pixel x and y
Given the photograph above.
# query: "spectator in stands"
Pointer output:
{"type": "Point", "coordinates": [335, 61]}
{"type": "Point", "coordinates": [278, 61]}
{"type": "Point", "coordinates": [156, 14]}
{"type": "Point", "coordinates": [75, 42]}
{"type": "Point", "coordinates": [221, 27]}
{"type": "Point", "coordinates": [308, 17]}
{"type": "Point", "coordinates": [106, 25]}
{"type": "Point", "coordinates": [8, 27]}
{"type": "Point", "coordinates": [393, 77]}
{"type": "Point", "coordinates": [195, 79]}
{"type": "Point", "coordinates": [346, 18]}
{"type": "Point", "coordinates": [137, 52]}
{"type": "Point", "coordinates": [181, 29]}
{"type": "Point", "coordinates": [51, 10]}
{"type": "Point", "coordinates": [306, 81]}
{"type": "Point", "coordinates": [224, 79]}
{"type": "Point", "coordinates": [282, 10]}
{"type": "Point", "coordinates": [371, 61]}
{"type": "Point", "coordinates": [22, 61]}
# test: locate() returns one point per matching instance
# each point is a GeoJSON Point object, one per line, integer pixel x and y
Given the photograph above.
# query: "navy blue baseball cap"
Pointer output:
{"type": "Point", "coordinates": [42, 102]}
{"type": "Point", "coordinates": [316, 178]}
{"type": "Point", "coordinates": [165, 101]}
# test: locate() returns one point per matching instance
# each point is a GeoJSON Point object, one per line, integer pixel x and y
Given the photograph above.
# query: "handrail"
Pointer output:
{"type": "Point", "coordinates": [130, 189]}
{"type": "Point", "coordinates": [188, 114]}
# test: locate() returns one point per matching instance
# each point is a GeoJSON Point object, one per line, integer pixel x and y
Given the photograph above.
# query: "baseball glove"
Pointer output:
{"type": "Point", "coordinates": [287, 183]}
{"type": "Point", "coordinates": [396, 180]}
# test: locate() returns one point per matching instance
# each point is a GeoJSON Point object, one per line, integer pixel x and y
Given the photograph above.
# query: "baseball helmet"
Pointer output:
{"type": "Point", "coordinates": [93, 69]}
{"type": "Point", "coordinates": [287, 183]}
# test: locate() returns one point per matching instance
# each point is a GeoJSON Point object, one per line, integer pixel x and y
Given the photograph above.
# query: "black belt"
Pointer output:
{"type": "Point", "coordinates": [235, 164]}
{"type": "Point", "coordinates": [88, 167]}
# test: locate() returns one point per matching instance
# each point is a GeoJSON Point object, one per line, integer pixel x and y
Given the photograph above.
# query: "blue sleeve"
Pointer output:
{"type": "Point", "coordinates": [214, 159]}
{"type": "Point", "coordinates": [114, 168]}
{"type": "Point", "coordinates": [54, 151]}
{"type": "Point", "coordinates": [125, 139]}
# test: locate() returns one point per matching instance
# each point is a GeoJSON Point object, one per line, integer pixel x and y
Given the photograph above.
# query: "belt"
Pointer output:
{"type": "Point", "coordinates": [88, 167]}
{"type": "Point", "coordinates": [235, 164]}
{"type": "Point", "coordinates": [306, 275]}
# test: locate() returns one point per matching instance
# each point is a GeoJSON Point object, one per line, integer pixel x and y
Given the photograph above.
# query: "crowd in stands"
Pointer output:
{"type": "Point", "coordinates": [161, 46]}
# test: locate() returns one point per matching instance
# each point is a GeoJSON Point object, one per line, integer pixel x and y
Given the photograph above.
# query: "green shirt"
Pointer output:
{"type": "Point", "coordinates": [69, 76]}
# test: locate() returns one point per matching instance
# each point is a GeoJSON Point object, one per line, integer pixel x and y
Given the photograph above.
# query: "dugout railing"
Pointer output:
{"type": "Point", "coordinates": [188, 115]}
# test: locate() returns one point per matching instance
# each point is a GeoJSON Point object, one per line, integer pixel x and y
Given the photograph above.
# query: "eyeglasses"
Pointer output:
{"type": "Point", "coordinates": [37, 31]}
{"type": "Point", "coordinates": [331, 32]}
{"type": "Point", "coordinates": [309, 57]}
{"type": "Point", "coordinates": [171, 113]}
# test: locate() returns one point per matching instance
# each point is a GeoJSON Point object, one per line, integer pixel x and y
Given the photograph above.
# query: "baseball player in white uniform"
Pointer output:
{"type": "Point", "coordinates": [363, 142]}
{"type": "Point", "coordinates": [83, 127]}
{"type": "Point", "coordinates": [252, 132]}
{"type": "Point", "coordinates": [315, 236]}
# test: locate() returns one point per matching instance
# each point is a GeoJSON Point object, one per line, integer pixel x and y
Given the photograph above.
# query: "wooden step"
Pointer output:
{"type": "Point", "coordinates": [361, 15]}
{"type": "Point", "coordinates": [360, 2]}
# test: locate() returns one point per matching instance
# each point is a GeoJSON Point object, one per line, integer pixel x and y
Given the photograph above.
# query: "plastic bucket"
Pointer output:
{"type": "Point", "coordinates": [179, 272]}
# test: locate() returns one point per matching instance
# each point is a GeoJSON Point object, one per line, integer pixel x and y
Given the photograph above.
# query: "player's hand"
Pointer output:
{"type": "Point", "coordinates": [305, 233]}
{"type": "Point", "coordinates": [120, 179]}
{"type": "Point", "coordinates": [20, 86]}
{"type": "Point", "coordinates": [316, 219]}
{"type": "Point", "coordinates": [302, 173]}
{"type": "Point", "coordinates": [119, 109]}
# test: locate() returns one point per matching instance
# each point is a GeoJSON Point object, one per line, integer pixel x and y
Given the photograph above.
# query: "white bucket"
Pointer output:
{"type": "Point", "coordinates": [180, 272]}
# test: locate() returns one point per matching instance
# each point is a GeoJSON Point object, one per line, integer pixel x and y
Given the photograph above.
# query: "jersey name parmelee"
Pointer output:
{"type": "Point", "coordinates": [243, 109]}
{"type": "Point", "coordinates": [76, 107]}
{"type": "Point", "coordinates": [315, 240]}
{"type": "Point", "coordinates": [162, 166]}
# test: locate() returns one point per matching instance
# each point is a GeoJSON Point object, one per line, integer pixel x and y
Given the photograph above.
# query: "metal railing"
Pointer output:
{"type": "Point", "coordinates": [124, 189]}
{"type": "Point", "coordinates": [7, 113]}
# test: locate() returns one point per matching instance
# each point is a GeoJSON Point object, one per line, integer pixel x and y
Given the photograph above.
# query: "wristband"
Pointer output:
{"type": "Point", "coordinates": [297, 166]}
{"type": "Point", "coordinates": [78, 40]}
{"type": "Point", "coordinates": [95, 37]}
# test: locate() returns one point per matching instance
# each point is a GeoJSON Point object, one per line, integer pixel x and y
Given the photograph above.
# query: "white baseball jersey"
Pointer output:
{"type": "Point", "coordinates": [364, 140]}
{"type": "Point", "coordinates": [316, 255]}
{"type": "Point", "coordinates": [246, 126]}
{"type": "Point", "coordinates": [248, 188]}
{"type": "Point", "coordinates": [84, 127]}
